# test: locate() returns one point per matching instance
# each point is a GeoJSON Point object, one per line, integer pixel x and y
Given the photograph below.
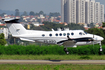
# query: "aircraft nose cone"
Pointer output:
{"type": "Point", "coordinates": [100, 38]}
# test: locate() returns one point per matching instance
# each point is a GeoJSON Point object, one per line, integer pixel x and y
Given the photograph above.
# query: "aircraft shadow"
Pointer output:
{"type": "Point", "coordinates": [55, 60]}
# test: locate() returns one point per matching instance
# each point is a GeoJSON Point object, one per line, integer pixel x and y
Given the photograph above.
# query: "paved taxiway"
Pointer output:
{"type": "Point", "coordinates": [52, 61]}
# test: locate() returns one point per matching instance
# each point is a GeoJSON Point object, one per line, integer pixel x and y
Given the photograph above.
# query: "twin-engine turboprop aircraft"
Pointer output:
{"type": "Point", "coordinates": [67, 38]}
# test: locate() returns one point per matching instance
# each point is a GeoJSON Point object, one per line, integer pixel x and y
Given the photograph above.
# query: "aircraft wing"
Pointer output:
{"type": "Point", "coordinates": [67, 43]}
{"type": "Point", "coordinates": [27, 40]}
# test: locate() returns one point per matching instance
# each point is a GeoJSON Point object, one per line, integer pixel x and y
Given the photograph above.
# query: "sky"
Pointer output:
{"type": "Point", "coordinates": [46, 6]}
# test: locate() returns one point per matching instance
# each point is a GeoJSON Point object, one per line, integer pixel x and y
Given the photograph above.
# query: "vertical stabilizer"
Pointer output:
{"type": "Point", "coordinates": [15, 27]}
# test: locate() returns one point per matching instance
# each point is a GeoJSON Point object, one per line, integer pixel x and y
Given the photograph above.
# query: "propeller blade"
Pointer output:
{"type": "Point", "coordinates": [93, 35]}
{"type": "Point", "coordinates": [68, 38]}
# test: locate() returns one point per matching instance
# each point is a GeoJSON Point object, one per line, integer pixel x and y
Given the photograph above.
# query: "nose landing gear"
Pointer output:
{"type": "Point", "coordinates": [100, 47]}
{"type": "Point", "coordinates": [67, 52]}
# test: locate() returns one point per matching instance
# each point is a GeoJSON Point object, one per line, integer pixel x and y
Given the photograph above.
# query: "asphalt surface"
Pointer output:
{"type": "Point", "coordinates": [52, 61]}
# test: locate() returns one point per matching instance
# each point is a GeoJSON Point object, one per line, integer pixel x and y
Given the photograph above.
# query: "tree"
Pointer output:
{"type": "Point", "coordinates": [49, 25]}
{"type": "Point", "coordinates": [17, 12]}
{"type": "Point", "coordinates": [56, 14]}
{"type": "Point", "coordinates": [41, 12]}
{"type": "Point", "coordinates": [92, 25]}
{"type": "Point", "coordinates": [32, 13]}
{"type": "Point", "coordinates": [2, 40]}
{"type": "Point", "coordinates": [2, 15]}
{"type": "Point", "coordinates": [103, 24]}
{"type": "Point", "coordinates": [24, 13]}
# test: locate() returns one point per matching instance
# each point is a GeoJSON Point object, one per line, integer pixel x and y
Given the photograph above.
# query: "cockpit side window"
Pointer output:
{"type": "Point", "coordinates": [80, 33]}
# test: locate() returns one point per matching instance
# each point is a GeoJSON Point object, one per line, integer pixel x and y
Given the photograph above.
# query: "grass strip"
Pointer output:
{"type": "Point", "coordinates": [52, 57]}
{"type": "Point", "coordinates": [50, 67]}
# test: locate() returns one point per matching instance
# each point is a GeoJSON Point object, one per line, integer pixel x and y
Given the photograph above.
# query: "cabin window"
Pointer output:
{"type": "Point", "coordinates": [72, 33]}
{"type": "Point", "coordinates": [68, 34]}
{"type": "Point", "coordinates": [60, 34]}
{"type": "Point", "coordinates": [80, 33]}
{"type": "Point", "coordinates": [50, 35]}
{"type": "Point", "coordinates": [56, 34]}
{"type": "Point", "coordinates": [64, 34]}
{"type": "Point", "coordinates": [43, 35]}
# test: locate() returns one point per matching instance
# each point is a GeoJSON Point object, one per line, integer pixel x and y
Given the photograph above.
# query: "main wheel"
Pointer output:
{"type": "Point", "coordinates": [100, 49]}
{"type": "Point", "coordinates": [67, 52]}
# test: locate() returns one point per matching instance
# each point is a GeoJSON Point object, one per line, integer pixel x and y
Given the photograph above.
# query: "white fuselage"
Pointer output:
{"type": "Point", "coordinates": [52, 37]}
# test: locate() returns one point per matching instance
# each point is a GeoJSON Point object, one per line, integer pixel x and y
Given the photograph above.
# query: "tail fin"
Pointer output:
{"type": "Point", "coordinates": [15, 27]}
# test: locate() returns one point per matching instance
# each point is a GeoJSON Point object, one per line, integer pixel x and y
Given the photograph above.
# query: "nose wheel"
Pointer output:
{"type": "Point", "coordinates": [100, 47]}
{"type": "Point", "coordinates": [67, 52]}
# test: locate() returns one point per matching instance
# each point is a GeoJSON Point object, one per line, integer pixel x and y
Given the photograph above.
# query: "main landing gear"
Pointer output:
{"type": "Point", "coordinates": [67, 52]}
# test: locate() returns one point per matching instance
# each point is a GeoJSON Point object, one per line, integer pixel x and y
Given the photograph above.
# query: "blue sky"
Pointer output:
{"type": "Point", "coordinates": [34, 5]}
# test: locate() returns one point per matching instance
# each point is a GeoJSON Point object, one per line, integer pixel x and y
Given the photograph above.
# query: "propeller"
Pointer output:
{"type": "Point", "coordinates": [68, 38]}
{"type": "Point", "coordinates": [100, 47]}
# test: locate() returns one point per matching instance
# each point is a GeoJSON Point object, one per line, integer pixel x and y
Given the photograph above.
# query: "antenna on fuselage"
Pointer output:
{"type": "Point", "coordinates": [52, 29]}
{"type": "Point", "coordinates": [62, 29]}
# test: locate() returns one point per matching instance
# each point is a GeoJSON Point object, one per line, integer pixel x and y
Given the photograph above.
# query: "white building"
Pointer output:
{"type": "Point", "coordinates": [5, 32]}
{"type": "Point", "coordinates": [97, 12]}
{"type": "Point", "coordinates": [102, 13]}
{"type": "Point", "coordinates": [82, 11]}
{"type": "Point", "coordinates": [68, 11]}
{"type": "Point", "coordinates": [91, 12]}
{"type": "Point", "coordinates": [72, 11]}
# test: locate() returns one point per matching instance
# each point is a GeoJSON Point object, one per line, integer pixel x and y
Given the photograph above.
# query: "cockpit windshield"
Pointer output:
{"type": "Point", "coordinates": [82, 33]}
{"type": "Point", "coordinates": [85, 32]}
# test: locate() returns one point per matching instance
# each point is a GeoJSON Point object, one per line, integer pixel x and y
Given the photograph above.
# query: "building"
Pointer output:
{"type": "Point", "coordinates": [68, 11]}
{"type": "Point", "coordinates": [82, 11]}
{"type": "Point", "coordinates": [5, 32]}
{"type": "Point", "coordinates": [102, 13]}
{"type": "Point", "coordinates": [97, 12]}
{"type": "Point", "coordinates": [87, 11]}
{"type": "Point", "coordinates": [91, 12]}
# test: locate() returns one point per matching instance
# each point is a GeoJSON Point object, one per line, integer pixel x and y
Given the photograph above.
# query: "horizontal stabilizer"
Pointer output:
{"type": "Point", "coordinates": [11, 20]}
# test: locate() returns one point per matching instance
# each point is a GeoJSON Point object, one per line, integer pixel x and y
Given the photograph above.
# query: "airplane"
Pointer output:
{"type": "Point", "coordinates": [67, 38]}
